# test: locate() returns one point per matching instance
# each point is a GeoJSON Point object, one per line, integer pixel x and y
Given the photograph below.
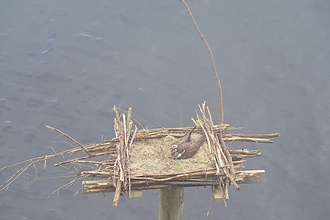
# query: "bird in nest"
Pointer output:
{"type": "Point", "coordinates": [186, 148]}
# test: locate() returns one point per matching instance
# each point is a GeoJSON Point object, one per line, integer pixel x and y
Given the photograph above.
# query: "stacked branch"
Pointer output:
{"type": "Point", "coordinates": [219, 154]}
{"type": "Point", "coordinates": [225, 129]}
{"type": "Point", "coordinates": [222, 173]}
{"type": "Point", "coordinates": [121, 172]}
{"type": "Point", "coordinates": [195, 178]}
{"type": "Point", "coordinates": [112, 160]}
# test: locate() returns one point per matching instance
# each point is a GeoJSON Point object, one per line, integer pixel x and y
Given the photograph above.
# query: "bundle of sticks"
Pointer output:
{"type": "Point", "coordinates": [120, 166]}
{"type": "Point", "coordinates": [225, 170]}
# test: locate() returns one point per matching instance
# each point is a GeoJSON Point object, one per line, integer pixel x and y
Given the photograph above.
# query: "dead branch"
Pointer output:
{"type": "Point", "coordinates": [72, 139]}
{"type": "Point", "coordinates": [216, 76]}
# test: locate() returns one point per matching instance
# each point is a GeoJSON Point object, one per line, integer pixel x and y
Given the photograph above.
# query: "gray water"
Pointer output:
{"type": "Point", "coordinates": [66, 63]}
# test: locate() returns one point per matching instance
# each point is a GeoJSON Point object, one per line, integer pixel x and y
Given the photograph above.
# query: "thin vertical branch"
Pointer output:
{"type": "Point", "coordinates": [216, 76]}
{"type": "Point", "coordinates": [221, 113]}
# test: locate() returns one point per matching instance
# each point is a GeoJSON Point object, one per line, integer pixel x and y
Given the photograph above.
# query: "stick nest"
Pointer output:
{"type": "Point", "coordinates": [140, 159]}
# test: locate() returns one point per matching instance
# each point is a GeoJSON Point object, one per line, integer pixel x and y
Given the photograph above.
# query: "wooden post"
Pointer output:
{"type": "Point", "coordinates": [171, 203]}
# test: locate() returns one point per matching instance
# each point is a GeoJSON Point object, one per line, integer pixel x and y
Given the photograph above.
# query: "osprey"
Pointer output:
{"type": "Point", "coordinates": [185, 148]}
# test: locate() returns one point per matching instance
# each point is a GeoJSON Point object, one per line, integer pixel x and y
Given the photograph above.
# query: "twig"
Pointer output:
{"type": "Point", "coordinates": [209, 208]}
{"type": "Point", "coordinates": [212, 61]}
{"type": "Point", "coordinates": [80, 158]}
{"type": "Point", "coordinates": [67, 185]}
{"type": "Point", "coordinates": [72, 139]}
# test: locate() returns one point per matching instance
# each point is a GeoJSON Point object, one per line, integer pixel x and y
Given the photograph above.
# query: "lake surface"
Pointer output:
{"type": "Point", "coordinates": [67, 63]}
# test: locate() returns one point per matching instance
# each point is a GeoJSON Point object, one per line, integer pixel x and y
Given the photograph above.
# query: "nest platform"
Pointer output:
{"type": "Point", "coordinates": [140, 159]}
{"type": "Point", "coordinates": [136, 160]}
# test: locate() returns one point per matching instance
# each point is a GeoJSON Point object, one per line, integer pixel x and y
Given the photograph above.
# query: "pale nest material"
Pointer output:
{"type": "Point", "coordinates": [153, 156]}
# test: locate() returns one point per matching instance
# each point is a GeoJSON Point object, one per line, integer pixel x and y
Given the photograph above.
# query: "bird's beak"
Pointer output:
{"type": "Point", "coordinates": [179, 154]}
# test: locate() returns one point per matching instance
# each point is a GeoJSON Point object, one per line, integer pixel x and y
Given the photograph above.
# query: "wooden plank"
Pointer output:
{"type": "Point", "coordinates": [257, 176]}
{"type": "Point", "coordinates": [217, 194]}
{"type": "Point", "coordinates": [136, 193]}
{"type": "Point", "coordinates": [89, 186]}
